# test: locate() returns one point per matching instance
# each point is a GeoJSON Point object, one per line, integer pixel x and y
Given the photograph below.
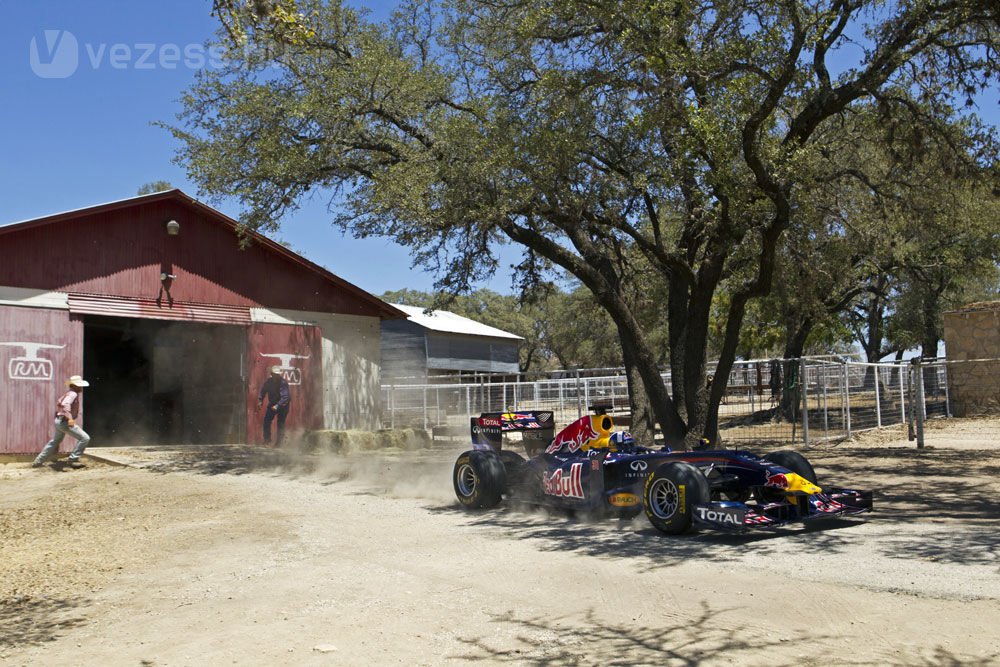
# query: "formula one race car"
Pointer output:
{"type": "Point", "coordinates": [589, 466]}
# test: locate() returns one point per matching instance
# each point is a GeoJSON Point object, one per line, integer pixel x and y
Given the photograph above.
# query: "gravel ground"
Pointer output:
{"type": "Point", "coordinates": [196, 556]}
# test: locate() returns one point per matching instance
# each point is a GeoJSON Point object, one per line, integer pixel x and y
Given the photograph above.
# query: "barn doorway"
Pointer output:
{"type": "Point", "coordinates": [159, 382]}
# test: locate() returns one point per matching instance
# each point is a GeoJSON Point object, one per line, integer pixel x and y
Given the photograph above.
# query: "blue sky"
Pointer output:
{"type": "Point", "coordinates": [83, 136]}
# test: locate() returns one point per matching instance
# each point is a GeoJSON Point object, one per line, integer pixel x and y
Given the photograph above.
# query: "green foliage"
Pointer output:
{"type": "Point", "coordinates": [666, 155]}
{"type": "Point", "coordinates": [153, 186]}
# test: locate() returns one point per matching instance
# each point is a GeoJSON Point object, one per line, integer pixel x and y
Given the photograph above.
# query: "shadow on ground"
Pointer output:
{"type": "Point", "coordinates": [920, 483]}
{"type": "Point", "coordinates": [642, 547]}
{"type": "Point", "coordinates": [34, 621]}
{"type": "Point", "coordinates": [628, 640]}
{"type": "Point", "coordinates": [200, 459]}
{"type": "Point", "coordinates": [945, 500]}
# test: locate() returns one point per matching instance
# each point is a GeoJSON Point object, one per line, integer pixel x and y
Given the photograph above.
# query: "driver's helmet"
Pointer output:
{"type": "Point", "coordinates": [621, 440]}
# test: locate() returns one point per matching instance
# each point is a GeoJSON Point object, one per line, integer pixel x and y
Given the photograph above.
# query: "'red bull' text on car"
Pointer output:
{"type": "Point", "coordinates": [589, 466]}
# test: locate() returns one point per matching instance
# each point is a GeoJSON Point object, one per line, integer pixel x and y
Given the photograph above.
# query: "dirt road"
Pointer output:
{"type": "Point", "coordinates": [250, 558]}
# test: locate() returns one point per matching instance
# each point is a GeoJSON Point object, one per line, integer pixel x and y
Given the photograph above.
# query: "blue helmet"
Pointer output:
{"type": "Point", "coordinates": [621, 439]}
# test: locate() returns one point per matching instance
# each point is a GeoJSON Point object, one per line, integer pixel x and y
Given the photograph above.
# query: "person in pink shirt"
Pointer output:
{"type": "Point", "coordinates": [67, 410]}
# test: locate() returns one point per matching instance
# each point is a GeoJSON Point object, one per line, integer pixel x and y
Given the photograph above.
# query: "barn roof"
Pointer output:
{"type": "Point", "coordinates": [446, 322]}
{"type": "Point", "coordinates": [385, 310]}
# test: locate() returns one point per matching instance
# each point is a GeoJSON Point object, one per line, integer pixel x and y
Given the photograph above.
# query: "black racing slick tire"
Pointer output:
{"type": "Point", "coordinates": [479, 478]}
{"type": "Point", "coordinates": [513, 465]}
{"type": "Point", "coordinates": [795, 462]}
{"type": "Point", "coordinates": [670, 494]}
{"type": "Point", "coordinates": [510, 459]}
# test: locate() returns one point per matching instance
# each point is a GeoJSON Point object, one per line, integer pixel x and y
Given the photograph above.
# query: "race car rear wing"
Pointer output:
{"type": "Point", "coordinates": [536, 426]}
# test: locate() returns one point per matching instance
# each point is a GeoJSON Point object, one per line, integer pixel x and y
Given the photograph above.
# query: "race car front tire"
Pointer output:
{"type": "Point", "coordinates": [479, 478]}
{"type": "Point", "coordinates": [786, 458]}
{"type": "Point", "coordinates": [794, 461]}
{"type": "Point", "coordinates": [670, 494]}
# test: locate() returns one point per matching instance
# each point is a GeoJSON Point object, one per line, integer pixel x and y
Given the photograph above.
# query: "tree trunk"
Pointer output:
{"type": "Point", "coordinates": [677, 318]}
{"type": "Point", "coordinates": [701, 422]}
{"type": "Point", "coordinates": [643, 420]}
{"type": "Point", "coordinates": [929, 338]}
{"type": "Point", "coordinates": [871, 341]}
{"type": "Point", "coordinates": [636, 350]}
{"type": "Point", "coordinates": [717, 389]}
{"type": "Point", "coordinates": [795, 345]}
{"type": "Point", "coordinates": [929, 323]}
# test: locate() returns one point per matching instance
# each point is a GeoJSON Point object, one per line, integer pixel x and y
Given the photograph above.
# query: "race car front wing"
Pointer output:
{"type": "Point", "coordinates": [742, 517]}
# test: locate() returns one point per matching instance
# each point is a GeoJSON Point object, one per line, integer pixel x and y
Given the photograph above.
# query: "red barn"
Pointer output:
{"type": "Point", "coordinates": [175, 323]}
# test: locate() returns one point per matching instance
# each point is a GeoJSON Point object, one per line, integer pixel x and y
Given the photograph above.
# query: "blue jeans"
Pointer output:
{"type": "Point", "coordinates": [269, 415]}
{"type": "Point", "coordinates": [62, 428]}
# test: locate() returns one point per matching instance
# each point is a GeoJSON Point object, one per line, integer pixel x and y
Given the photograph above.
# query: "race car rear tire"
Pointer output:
{"type": "Point", "coordinates": [794, 461]}
{"type": "Point", "coordinates": [510, 459]}
{"type": "Point", "coordinates": [479, 478]}
{"type": "Point", "coordinates": [670, 493]}
{"type": "Point", "coordinates": [514, 469]}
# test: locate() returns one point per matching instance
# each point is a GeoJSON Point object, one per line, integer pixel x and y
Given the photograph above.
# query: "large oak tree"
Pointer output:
{"type": "Point", "coordinates": [590, 132]}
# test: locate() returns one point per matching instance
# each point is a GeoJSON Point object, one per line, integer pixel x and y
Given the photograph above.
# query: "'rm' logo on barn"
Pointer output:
{"type": "Point", "coordinates": [30, 366]}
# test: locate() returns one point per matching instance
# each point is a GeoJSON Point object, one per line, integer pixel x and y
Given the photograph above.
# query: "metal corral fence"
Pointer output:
{"type": "Point", "coordinates": [449, 402]}
{"type": "Point", "coordinates": [793, 401]}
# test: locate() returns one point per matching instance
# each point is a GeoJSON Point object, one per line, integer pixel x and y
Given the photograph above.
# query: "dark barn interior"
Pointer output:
{"type": "Point", "coordinates": [159, 382]}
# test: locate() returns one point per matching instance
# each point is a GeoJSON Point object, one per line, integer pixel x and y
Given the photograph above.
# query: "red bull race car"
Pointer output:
{"type": "Point", "coordinates": [590, 466]}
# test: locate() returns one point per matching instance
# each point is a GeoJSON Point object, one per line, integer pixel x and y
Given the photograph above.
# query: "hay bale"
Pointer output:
{"type": "Point", "coordinates": [338, 442]}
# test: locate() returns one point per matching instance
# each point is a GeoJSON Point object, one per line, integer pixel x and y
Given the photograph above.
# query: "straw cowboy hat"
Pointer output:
{"type": "Point", "coordinates": [276, 370]}
{"type": "Point", "coordinates": [77, 381]}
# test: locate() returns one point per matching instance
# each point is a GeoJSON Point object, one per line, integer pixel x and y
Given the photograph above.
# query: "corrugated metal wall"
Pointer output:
{"type": "Point", "coordinates": [296, 348]}
{"type": "Point", "coordinates": [468, 353]}
{"type": "Point", "coordinates": [156, 309]}
{"type": "Point", "coordinates": [124, 252]}
{"type": "Point", "coordinates": [39, 349]}
{"type": "Point", "coordinates": [404, 352]}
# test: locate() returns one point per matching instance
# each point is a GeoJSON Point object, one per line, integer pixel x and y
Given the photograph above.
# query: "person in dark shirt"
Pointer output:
{"type": "Point", "coordinates": [275, 388]}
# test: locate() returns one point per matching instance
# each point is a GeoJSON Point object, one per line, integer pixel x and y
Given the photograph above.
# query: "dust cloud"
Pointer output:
{"type": "Point", "coordinates": [397, 464]}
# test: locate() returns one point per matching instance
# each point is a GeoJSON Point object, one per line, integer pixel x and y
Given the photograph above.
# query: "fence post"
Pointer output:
{"type": "Point", "coordinates": [804, 390]}
{"type": "Point", "coordinates": [847, 397]}
{"type": "Point", "coordinates": [902, 391]}
{"type": "Point", "coordinates": [947, 392]}
{"type": "Point", "coordinates": [579, 408]}
{"type": "Point", "coordinates": [392, 406]}
{"type": "Point", "coordinates": [560, 381]}
{"type": "Point", "coordinates": [918, 409]}
{"type": "Point", "coordinates": [425, 406]}
{"type": "Point", "coordinates": [826, 409]}
{"type": "Point", "coordinates": [878, 398]}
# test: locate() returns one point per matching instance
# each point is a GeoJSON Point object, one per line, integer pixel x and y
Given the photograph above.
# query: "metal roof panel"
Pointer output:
{"type": "Point", "coordinates": [446, 322]}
